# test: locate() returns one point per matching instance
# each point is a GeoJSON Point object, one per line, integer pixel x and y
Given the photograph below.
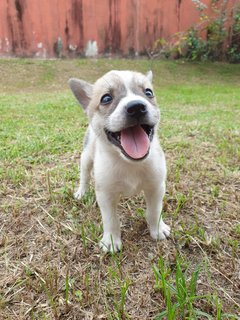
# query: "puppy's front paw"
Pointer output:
{"type": "Point", "coordinates": [110, 243]}
{"type": "Point", "coordinates": [160, 233]}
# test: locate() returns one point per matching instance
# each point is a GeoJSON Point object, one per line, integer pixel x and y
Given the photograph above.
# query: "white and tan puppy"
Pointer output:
{"type": "Point", "coordinates": [122, 149]}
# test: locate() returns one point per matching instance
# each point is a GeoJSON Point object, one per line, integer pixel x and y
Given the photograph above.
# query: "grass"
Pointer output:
{"type": "Point", "coordinates": [50, 264]}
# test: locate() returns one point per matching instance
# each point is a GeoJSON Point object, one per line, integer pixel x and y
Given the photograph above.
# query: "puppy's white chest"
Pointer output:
{"type": "Point", "coordinates": [116, 175]}
{"type": "Point", "coordinates": [130, 186]}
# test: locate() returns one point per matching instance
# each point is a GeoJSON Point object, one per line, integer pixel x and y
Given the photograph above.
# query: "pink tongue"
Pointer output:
{"type": "Point", "coordinates": [135, 142]}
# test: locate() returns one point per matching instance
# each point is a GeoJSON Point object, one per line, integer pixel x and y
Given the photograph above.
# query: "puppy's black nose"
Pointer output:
{"type": "Point", "coordinates": [136, 109]}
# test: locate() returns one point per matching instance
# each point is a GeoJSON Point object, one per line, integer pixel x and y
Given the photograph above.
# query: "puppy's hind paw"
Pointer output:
{"type": "Point", "coordinates": [160, 233]}
{"type": "Point", "coordinates": [110, 243]}
{"type": "Point", "coordinates": [79, 194]}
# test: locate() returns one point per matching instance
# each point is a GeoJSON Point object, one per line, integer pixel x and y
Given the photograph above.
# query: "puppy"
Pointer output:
{"type": "Point", "coordinates": [122, 149]}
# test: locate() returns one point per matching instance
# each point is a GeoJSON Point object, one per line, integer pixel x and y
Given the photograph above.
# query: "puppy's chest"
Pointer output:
{"type": "Point", "coordinates": [113, 177]}
{"type": "Point", "coordinates": [114, 174]}
{"type": "Point", "coordinates": [127, 182]}
{"type": "Point", "coordinates": [129, 186]}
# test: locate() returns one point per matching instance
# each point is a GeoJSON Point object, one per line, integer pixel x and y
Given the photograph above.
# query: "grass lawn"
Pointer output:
{"type": "Point", "coordinates": [50, 264]}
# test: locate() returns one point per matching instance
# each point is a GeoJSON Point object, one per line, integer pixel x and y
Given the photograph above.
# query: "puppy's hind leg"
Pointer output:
{"type": "Point", "coordinates": [158, 229]}
{"type": "Point", "coordinates": [86, 164]}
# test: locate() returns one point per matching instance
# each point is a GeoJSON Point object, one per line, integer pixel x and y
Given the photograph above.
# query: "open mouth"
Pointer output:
{"type": "Point", "coordinates": [134, 141]}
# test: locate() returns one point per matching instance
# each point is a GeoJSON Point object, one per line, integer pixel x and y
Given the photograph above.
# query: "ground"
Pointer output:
{"type": "Point", "coordinates": [51, 266]}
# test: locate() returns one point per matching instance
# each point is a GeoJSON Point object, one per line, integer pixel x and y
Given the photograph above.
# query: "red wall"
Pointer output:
{"type": "Point", "coordinates": [32, 27]}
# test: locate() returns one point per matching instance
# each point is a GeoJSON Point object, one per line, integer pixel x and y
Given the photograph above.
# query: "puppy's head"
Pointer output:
{"type": "Point", "coordinates": [122, 110]}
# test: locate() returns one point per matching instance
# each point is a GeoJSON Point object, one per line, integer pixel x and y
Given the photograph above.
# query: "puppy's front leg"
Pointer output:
{"type": "Point", "coordinates": [86, 165]}
{"type": "Point", "coordinates": [158, 229]}
{"type": "Point", "coordinates": [111, 240]}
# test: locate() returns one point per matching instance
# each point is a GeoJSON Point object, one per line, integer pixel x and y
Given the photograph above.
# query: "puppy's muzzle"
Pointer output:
{"type": "Point", "coordinates": [135, 137]}
{"type": "Point", "coordinates": [136, 109]}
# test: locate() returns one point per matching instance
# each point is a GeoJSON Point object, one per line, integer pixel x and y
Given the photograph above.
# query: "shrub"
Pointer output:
{"type": "Point", "coordinates": [215, 38]}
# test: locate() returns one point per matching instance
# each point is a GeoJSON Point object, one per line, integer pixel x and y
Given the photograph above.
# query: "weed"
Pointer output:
{"type": "Point", "coordinates": [89, 198]}
{"type": "Point", "coordinates": [67, 285]}
{"type": "Point", "coordinates": [180, 295]}
{"type": "Point", "coordinates": [181, 201]}
{"type": "Point", "coordinates": [179, 299]}
{"type": "Point", "coordinates": [119, 298]}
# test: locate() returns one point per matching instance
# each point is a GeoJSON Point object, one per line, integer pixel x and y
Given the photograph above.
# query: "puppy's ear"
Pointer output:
{"type": "Point", "coordinates": [149, 75]}
{"type": "Point", "coordinates": [82, 90]}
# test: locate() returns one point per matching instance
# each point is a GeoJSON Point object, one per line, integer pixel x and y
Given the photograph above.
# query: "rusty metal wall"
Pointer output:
{"type": "Point", "coordinates": [48, 28]}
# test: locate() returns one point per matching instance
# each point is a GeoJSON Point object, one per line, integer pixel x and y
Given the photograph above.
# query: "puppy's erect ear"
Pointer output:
{"type": "Point", "coordinates": [149, 75]}
{"type": "Point", "coordinates": [82, 90]}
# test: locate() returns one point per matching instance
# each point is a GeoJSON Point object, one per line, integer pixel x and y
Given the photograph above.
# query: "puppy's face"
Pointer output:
{"type": "Point", "coordinates": [122, 110]}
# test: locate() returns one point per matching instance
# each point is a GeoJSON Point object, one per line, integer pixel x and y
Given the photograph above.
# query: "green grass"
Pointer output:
{"type": "Point", "coordinates": [181, 299]}
{"type": "Point", "coordinates": [50, 264]}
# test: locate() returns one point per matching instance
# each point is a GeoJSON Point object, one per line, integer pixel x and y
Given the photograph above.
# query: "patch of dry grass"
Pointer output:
{"type": "Point", "coordinates": [50, 264]}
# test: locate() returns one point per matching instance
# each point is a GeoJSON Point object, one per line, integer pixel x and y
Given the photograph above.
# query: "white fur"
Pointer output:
{"type": "Point", "coordinates": [115, 175]}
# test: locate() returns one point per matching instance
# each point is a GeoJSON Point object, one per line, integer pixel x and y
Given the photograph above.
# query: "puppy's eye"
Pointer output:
{"type": "Point", "coordinates": [148, 92]}
{"type": "Point", "coordinates": [106, 99]}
